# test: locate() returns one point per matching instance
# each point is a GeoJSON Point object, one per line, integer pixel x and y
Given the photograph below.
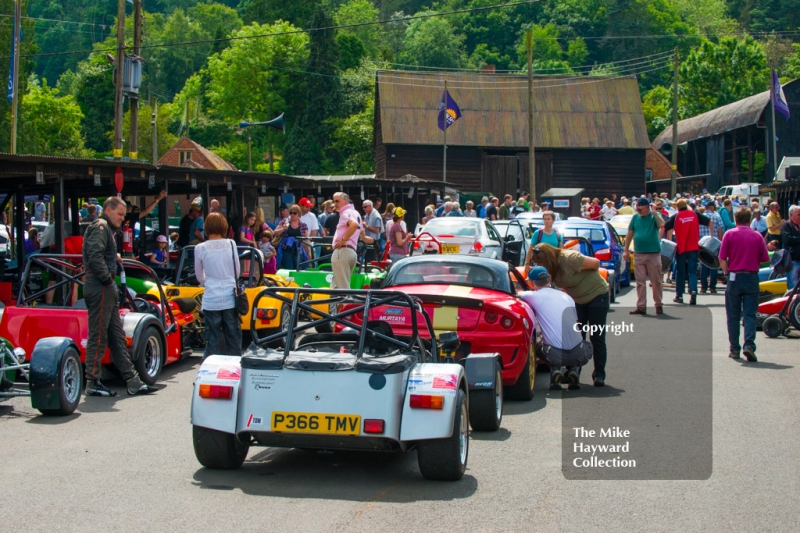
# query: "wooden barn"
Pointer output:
{"type": "Point", "coordinates": [589, 132]}
{"type": "Point", "coordinates": [723, 142]}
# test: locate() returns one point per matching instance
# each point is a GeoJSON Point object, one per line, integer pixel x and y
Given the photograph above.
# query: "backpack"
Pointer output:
{"type": "Point", "coordinates": [539, 232]}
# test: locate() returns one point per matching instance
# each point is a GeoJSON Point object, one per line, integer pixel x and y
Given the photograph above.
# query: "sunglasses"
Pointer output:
{"type": "Point", "coordinates": [293, 214]}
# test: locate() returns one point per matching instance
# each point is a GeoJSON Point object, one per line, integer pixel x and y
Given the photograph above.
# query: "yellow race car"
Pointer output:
{"type": "Point", "coordinates": [773, 286]}
{"type": "Point", "coordinates": [271, 314]}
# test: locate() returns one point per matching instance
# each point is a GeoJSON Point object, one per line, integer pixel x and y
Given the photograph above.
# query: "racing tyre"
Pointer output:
{"type": "Point", "coordinates": [523, 388]}
{"type": "Point", "coordinates": [612, 287]}
{"type": "Point", "coordinates": [215, 449]}
{"type": "Point", "coordinates": [774, 326]}
{"type": "Point", "coordinates": [446, 459]}
{"type": "Point", "coordinates": [150, 356]}
{"type": "Point", "coordinates": [794, 312]}
{"type": "Point", "coordinates": [486, 406]}
{"type": "Point", "coordinates": [70, 383]}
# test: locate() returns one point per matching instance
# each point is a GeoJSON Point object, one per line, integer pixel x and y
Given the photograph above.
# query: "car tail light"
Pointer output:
{"type": "Point", "coordinates": [266, 314]}
{"type": "Point", "coordinates": [372, 425]}
{"type": "Point", "coordinates": [507, 323]}
{"type": "Point", "coordinates": [491, 318]}
{"type": "Point", "coordinates": [476, 248]}
{"type": "Point", "coordinates": [603, 255]}
{"type": "Point", "coordinates": [446, 236]}
{"type": "Point", "coordinates": [216, 392]}
{"type": "Point", "coordinates": [426, 401]}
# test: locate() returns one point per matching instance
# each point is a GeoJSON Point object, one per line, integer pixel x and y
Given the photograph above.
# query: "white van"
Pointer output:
{"type": "Point", "coordinates": [743, 189]}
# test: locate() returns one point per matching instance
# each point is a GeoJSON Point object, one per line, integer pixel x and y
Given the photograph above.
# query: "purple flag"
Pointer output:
{"type": "Point", "coordinates": [778, 98]}
{"type": "Point", "coordinates": [448, 111]}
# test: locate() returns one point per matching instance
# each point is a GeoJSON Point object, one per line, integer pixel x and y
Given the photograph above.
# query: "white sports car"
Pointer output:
{"type": "Point", "coordinates": [362, 389]}
{"type": "Point", "coordinates": [458, 235]}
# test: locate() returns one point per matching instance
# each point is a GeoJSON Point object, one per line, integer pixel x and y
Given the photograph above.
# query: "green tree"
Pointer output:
{"type": "Point", "coordinates": [51, 124]}
{"type": "Point", "coordinates": [657, 109]}
{"type": "Point", "coordinates": [577, 53]}
{"type": "Point", "coordinates": [714, 75]}
{"type": "Point", "coordinates": [356, 12]}
{"type": "Point", "coordinates": [433, 42]}
{"type": "Point", "coordinates": [708, 17]}
{"type": "Point", "coordinates": [92, 86]}
{"type": "Point", "coordinates": [544, 45]}
{"type": "Point", "coordinates": [323, 99]}
{"type": "Point", "coordinates": [773, 15]}
{"type": "Point", "coordinates": [352, 141]}
{"type": "Point", "coordinates": [165, 138]}
{"type": "Point", "coordinates": [297, 13]}
{"type": "Point", "coordinates": [257, 78]}
{"type": "Point", "coordinates": [352, 51]}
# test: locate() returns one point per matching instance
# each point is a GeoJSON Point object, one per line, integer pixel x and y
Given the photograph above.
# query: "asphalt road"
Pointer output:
{"type": "Point", "coordinates": [128, 463]}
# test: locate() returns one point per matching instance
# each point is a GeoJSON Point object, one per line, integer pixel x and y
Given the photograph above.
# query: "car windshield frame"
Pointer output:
{"type": "Point", "coordinates": [396, 278]}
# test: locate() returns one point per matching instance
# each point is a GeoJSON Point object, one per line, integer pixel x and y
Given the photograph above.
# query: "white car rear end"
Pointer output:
{"type": "Point", "coordinates": [459, 235]}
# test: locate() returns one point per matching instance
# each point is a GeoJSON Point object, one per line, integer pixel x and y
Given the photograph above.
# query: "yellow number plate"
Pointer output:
{"type": "Point", "coordinates": [450, 248]}
{"type": "Point", "coordinates": [316, 423]}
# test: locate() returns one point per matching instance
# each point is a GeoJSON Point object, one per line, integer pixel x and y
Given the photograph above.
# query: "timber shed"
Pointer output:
{"type": "Point", "coordinates": [724, 142]}
{"type": "Point", "coordinates": [589, 132]}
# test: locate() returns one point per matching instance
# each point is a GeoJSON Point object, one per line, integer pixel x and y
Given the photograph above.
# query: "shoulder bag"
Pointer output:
{"type": "Point", "coordinates": [242, 305]}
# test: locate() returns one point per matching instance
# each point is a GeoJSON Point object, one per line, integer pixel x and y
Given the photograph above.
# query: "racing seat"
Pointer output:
{"type": "Point", "coordinates": [480, 278]}
{"type": "Point", "coordinates": [186, 305]}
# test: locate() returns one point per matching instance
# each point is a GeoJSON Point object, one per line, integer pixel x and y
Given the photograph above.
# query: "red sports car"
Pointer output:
{"type": "Point", "coordinates": [477, 298]}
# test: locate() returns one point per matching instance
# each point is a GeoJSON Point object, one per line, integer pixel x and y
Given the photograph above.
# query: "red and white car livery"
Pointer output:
{"type": "Point", "coordinates": [477, 298]}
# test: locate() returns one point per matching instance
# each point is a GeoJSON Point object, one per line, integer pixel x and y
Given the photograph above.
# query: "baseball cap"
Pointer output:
{"type": "Point", "coordinates": [642, 202]}
{"type": "Point", "coordinates": [161, 238]}
{"type": "Point", "coordinates": [538, 273]}
{"type": "Point", "coordinates": [283, 206]}
{"type": "Point", "coordinates": [92, 200]}
{"type": "Point", "coordinates": [196, 207]}
{"type": "Point", "coordinates": [400, 212]}
{"type": "Point", "coordinates": [304, 202]}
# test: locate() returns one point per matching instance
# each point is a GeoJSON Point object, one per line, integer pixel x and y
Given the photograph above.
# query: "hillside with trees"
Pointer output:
{"type": "Point", "coordinates": [211, 64]}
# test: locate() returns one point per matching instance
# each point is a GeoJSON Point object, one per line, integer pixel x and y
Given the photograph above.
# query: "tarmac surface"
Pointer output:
{"type": "Point", "coordinates": [128, 463]}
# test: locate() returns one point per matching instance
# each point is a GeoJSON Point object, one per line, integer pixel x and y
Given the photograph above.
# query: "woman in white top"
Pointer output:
{"type": "Point", "coordinates": [216, 266]}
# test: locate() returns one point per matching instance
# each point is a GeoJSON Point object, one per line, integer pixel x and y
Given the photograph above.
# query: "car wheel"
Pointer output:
{"type": "Point", "coordinates": [794, 313]}
{"type": "Point", "coordinates": [285, 316]}
{"type": "Point", "coordinates": [774, 326]}
{"type": "Point", "coordinates": [486, 406]}
{"type": "Point", "coordinates": [70, 383]}
{"type": "Point", "coordinates": [612, 286]}
{"type": "Point", "coordinates": [327, 327]}
{"type": "Point", "coordinates": [446, 459]}
{"type": "Point", "coordinates": [215, 449]}
{"type": "Point", "coordinates": [150, 359]}
{"type": "Point", "coordinates": [523, 388]}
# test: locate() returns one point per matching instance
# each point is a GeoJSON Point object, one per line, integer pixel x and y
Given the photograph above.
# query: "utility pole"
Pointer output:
{"type": "Point", "coordinates": [118, 79]}
{"type": "Point", "coordinates": [133, 147]}
{"type": "Point", "coordinates": [531, 146]}
{"type": "Point", "coordinates": [674, 180]}
{"type": "Point", "coordinates": [154, 123]}
{"type": "Point", "coordinates": [15, 80]}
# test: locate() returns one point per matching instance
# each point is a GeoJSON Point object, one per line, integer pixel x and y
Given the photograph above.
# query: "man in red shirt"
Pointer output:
{"type": "Point", "coordinates": [686, 225]}
{"type": "Point", "coordinates": [740, 256]}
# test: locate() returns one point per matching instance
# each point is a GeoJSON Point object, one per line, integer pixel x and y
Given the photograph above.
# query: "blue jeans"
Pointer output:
{"type": "Point", "coordinates": [741, 298]}
{"type": "Point", "coordinates": [684, 261]}
{"type": "Point", "coordinates": [793, 277]}
{"type": "Point", "coordinates": [223, 325]}
{"type": "Point", "coordinates": [704, 278]}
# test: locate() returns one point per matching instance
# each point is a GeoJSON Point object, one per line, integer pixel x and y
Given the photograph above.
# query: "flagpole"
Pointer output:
{"type": "Point", "coordinates": [15, 80]}
{"type": "Point", "coordinates": [774, 125]}
{"type": "Point", "coordinates": [444, 148]}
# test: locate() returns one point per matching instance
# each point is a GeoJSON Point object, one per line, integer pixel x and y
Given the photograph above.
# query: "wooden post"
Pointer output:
{"type": "Point", "coordinates": [531, 146]}
{"type": "Point", "coordinates": [674, 180]}
{"type": "Point", "coordinates": [118, 79]}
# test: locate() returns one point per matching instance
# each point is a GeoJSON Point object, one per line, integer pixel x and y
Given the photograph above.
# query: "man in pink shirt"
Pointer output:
{"type": "Point", "coordinates": [741, 253]}
{"type": "Point", "coordinates": [345, 239]}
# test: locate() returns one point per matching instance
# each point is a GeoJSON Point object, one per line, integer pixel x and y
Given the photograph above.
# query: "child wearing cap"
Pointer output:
{"type": "Point", "coordinates": [160, 257]}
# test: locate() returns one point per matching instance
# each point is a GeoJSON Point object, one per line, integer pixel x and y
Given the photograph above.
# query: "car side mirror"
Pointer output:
{"type": "Point", "coordinates": [375, 283]}
{"type": "Point", "coordinates": [509, 238]}
{"type": "Point", "coordinates": [449, 341]}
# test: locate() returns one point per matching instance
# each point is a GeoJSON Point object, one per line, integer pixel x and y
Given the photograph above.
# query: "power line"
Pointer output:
{"type": "Point", "coordinates": [407, 19]}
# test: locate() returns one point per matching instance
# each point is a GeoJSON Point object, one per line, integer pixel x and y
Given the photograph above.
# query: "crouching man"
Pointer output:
{"type": "Point", "coordinates": [563, 345]}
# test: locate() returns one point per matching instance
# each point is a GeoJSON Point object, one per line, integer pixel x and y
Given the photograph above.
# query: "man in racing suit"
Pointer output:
{"type": "Point", "coordinates": [102, 301]}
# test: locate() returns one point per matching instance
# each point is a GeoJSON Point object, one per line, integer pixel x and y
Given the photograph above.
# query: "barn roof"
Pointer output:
{"type": "Point", "coordinates": [570, 112]}
{"type": "Point", "coordinates": [739, 114]}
